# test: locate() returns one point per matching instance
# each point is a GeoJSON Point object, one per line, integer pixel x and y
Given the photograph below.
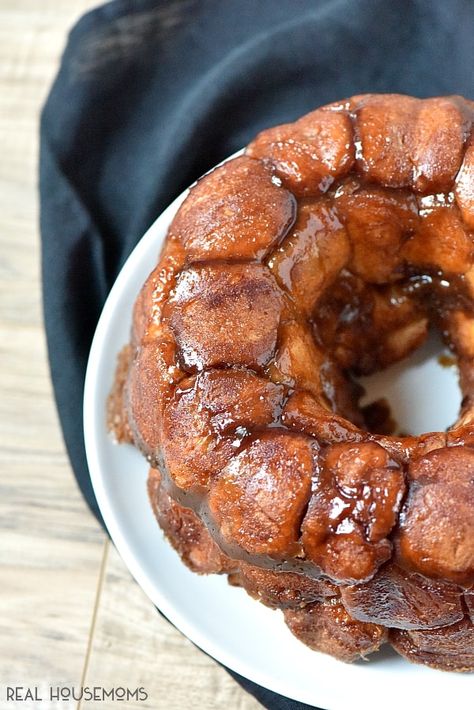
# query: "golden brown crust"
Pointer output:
{"type": "Point", "coordinates": [186, 532]}
{"type": "Point", "coordinates": [436, 531]}
{"type": "Point", "coordinates": [283, 590]}
{"type": "Point", "coordinates": [328, 628]}
{"type": "Point", "coordinates": [464, 188]}
{"type": "Point", "coordinates": [207, 418]}
{"type": "Point", "coordinates": [259, 498]}
{"type": "Point", "coordinates": [449, 648]}
{"type": "Point", "coordinates": [378, 222]}
{"type": "Point", "coordinates": [151, 383]}
{"type": "Point", "coordinates": [312, 255]}
{"type": "Point", "coordinates": [327, 250]}
{"type": "Point", "coordinates": [469, 602]}
{"type": "Point", "coordinates": [211, 300]}
{"type": "Point", "coordinates": [407, 142]}
{"type": "Point", "coordinates": [403, 600]}
{"type": "Point", "coordinates": [311, 153]}
{"type": "Point", "coordinates": [117, 418]}
{"type": "Point", "coordinates": [384, 129]}
{"type": "Point", "coordinates": [237, 211]}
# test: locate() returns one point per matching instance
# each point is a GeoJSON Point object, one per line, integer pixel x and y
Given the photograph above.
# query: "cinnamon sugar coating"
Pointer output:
{"type": "Point", "coordinates": [211, 300]}
{"type": "Point", "coordinates": [326, 251]}
{"type": "Point", "coordinates": [436, 531]}
{"type": "Point", "coordinates": [328, 628]}
{"type": "Point", "coordinates": [259, 499]}
{"type": "Point", "coordinates": [234, 212]}
{"type": "Point", "coordinates": [404, 600]}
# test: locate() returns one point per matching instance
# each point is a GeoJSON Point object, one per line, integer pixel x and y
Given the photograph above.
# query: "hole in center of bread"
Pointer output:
{"type": "Point", "coordinates": [422, 391]}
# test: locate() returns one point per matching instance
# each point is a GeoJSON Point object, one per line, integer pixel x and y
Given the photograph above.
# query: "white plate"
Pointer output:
{"type": "Point", "coordinates": [222, 620]}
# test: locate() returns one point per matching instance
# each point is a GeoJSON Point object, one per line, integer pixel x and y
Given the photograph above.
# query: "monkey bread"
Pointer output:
{"type": "Point", "coordinates": [325, 251]}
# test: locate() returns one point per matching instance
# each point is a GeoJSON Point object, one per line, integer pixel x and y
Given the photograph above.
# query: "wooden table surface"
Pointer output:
{"type": "Point", "coordinates": [70, 613]}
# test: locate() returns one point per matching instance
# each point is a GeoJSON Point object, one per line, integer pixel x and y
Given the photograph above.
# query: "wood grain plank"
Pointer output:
{"type": "Point", "coordinates": [51, 547]}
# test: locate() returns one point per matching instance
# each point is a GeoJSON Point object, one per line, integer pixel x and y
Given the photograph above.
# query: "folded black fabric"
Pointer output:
{"type": "Point", "coordinates": [151, 94]}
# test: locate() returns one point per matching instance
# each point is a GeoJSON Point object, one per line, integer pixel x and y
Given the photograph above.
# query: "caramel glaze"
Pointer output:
{"type": "Point", "coordinates": [328, 250]}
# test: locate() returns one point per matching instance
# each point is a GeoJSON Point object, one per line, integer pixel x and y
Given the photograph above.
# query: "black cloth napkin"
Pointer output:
{"type": "Point", "coordinates": [152, 93]}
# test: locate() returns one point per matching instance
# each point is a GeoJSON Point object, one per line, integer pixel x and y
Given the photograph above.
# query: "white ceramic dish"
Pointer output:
{"type": "Point", "coordinates": [222, 620]}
